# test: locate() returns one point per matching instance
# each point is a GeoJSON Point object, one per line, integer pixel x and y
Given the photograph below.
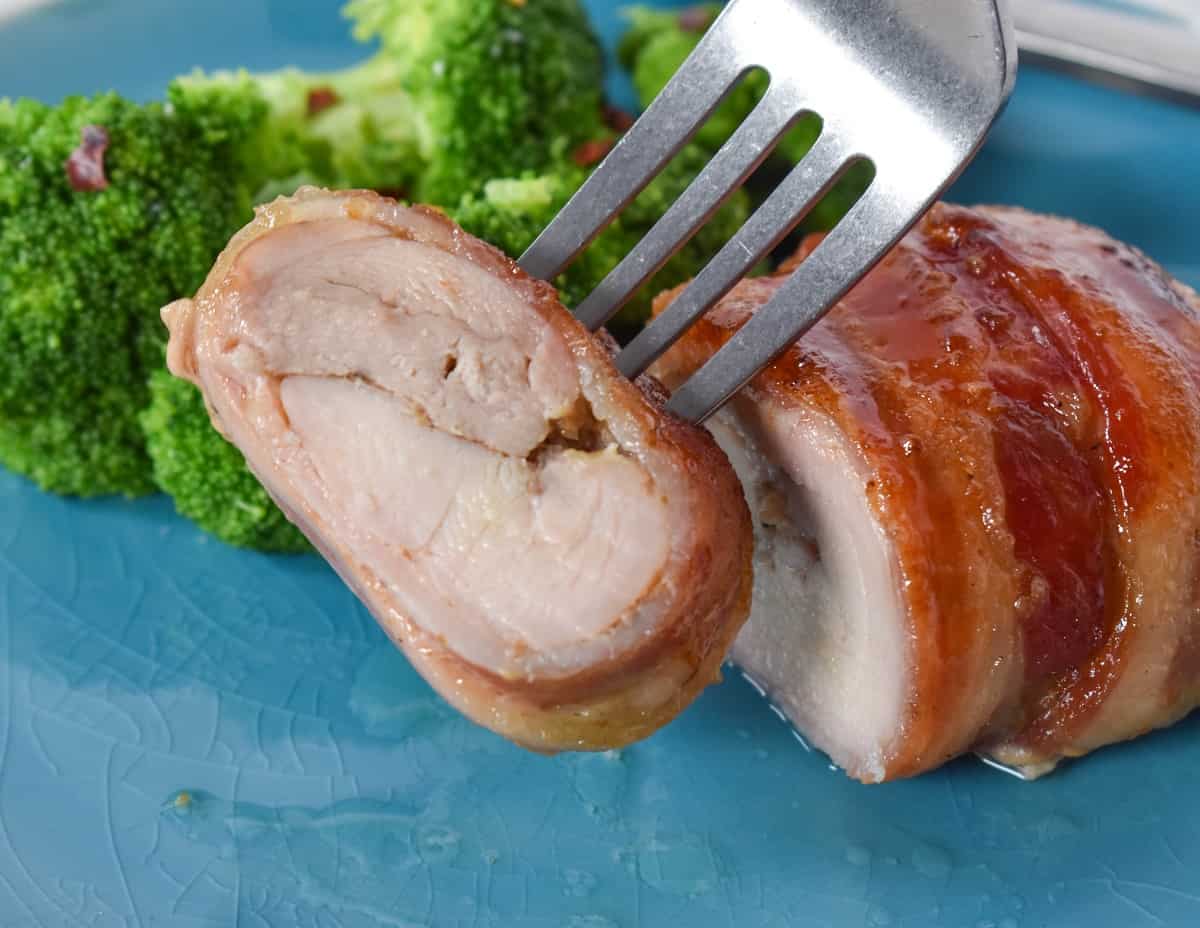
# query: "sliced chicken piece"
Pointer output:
{"type": "Point", "coordinates": [975, 491]}
{"type": "Point", "coordinates": [565, 562]}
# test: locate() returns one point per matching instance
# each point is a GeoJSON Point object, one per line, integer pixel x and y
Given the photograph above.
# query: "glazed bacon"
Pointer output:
{"type": "Point", "coordinates": [564, 561]}
{"type": "Point", "coordinates": [975, 489]}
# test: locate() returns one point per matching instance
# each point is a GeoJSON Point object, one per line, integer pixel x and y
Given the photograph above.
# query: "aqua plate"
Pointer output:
{"type": "Point", "coordinates": [198, 736]}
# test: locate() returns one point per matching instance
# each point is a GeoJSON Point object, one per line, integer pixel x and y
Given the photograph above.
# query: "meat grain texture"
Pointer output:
{"type": "Point", "coordinates": [565, 562]}
{"type": "Point", "coordinates": [976, 492]}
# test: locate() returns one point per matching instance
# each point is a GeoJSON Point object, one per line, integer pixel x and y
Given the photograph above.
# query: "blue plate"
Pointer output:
{"type": "Point", "coordinates": [198, 736]}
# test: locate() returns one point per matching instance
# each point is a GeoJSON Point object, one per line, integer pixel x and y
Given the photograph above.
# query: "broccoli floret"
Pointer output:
{"type": "Point", "coordinates": [656, 44]}
{"type": "Point", "coordinates": [206, 476]}
{"type": "Point", "coordinates": [502, 87]}
{"type": "Point", "coordinates": [510, 214]}
{"type": "Point", "coordinates": [351, 128]}
{"type": "Point", "coordinates": [373, 131]}
{"type": "Point", "coordinates": [88, 261]}
{"type": "Point", "coordinates": [89, 255]}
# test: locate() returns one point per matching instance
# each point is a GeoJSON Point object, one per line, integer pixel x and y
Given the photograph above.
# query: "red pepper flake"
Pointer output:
{"type": "Point", "coordinates": [617, 119]}
{"type": "Point", "coordinates": [85, 167]}
{"type": "Point", "coordinates": [321, 98]}
{"type": "Point", "coordinates": [592, 152]}
{"type": "Point", "coordinates": [695, 19]}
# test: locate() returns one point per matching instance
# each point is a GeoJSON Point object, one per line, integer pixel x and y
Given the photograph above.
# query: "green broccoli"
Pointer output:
{"type": "Point", "coordinates": [90, 251]}
{"type": "Point", "coordinates": [351, 128]}
{"type": "Point", "coordinates": [89, 260]}
{"type": "Point", "coordinates": [510, 214]}
{"type": "Point", "coordinates": [656, 44]}
{"type": "Point", "coordinates": [502, 87]}
{"type": "Point", "coordinates": [207, 476]}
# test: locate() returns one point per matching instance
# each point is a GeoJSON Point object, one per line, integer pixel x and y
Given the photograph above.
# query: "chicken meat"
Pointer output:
{"type": "Point", "coordinates": [563, 560]}
{"type": "Point", "coordinates": [976, 494]}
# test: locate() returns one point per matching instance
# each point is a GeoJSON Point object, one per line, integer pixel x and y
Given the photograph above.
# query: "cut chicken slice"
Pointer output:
{"type": "Point", "coordinates": [976, 490]}
{"type": "Point", "coordinates": [564, 561]}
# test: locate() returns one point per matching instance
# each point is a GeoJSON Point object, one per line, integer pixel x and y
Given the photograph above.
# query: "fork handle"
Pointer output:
{"type": "Point", "coordinates": [1118, 47]}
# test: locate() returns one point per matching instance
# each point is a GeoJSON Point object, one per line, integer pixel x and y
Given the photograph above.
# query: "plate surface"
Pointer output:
{"type": "Point", "coordinates": [195, 736]}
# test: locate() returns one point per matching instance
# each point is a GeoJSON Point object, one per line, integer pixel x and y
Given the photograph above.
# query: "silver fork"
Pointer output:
{"type": "Point", "coordinates": [913, 86]}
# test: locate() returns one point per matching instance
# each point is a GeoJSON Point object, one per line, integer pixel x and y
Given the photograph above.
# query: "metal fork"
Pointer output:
{"type": "Point", "coordinates": [913, 86]}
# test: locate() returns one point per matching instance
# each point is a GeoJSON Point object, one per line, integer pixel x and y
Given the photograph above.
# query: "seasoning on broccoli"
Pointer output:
{"type": "Point", "coordinates": [206, 476]}
{"type": "Point", "coordinates": [85, 166]}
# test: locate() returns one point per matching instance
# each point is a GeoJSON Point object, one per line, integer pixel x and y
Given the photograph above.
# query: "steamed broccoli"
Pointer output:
{"type": "Point", "coordinates": [207, 476]}
{"type": "Point", "coordinates": [510, 214]}
{"type": "Point", "coordinates": [652, 50]}
{"type": "Point", "coordinates": [501, 87]}
{"type": "Point", "coordinates": [89, 253]}
{"type": "Point", "coordinates": [351, 128]}
{"type": "Point", "coordinates": [88, 261]}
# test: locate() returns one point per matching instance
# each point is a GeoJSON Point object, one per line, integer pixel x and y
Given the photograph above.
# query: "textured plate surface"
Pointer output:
{"type": "Point", "coordinates": [325, 784]}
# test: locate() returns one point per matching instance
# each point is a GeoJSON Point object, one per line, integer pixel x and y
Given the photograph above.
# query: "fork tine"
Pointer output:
{"type": "Point", "coordinates": [857, 243]}
{"type": "Point", "coordinates": [738, 158]}
{"type": "Point", "coordinates": [697, 88]}
{"type": "Point", "coordinates": [771, 222]}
